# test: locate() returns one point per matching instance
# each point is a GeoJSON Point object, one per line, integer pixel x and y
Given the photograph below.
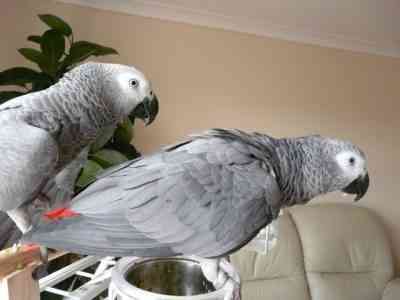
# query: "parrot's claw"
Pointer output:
{"type": "Point", "coordinates": [16, 247]}
{"type": "Point", "coordinates": [44, 254]}
{"type": "Point", "coordinates": [41, 270]}
{"type": "Point", "coordinates": [233, 291]}
{"type": "Point", "coordinates": [223, 276]}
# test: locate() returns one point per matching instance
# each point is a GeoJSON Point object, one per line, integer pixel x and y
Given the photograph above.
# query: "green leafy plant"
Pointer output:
{"type": "Point", "coordinates": [58, 53]}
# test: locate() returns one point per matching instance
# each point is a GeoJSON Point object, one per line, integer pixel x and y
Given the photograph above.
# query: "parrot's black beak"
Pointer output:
{"type": "Point", "coordinates": [359, 187]}
{"type": "Point", "coordinates": [147, 110]}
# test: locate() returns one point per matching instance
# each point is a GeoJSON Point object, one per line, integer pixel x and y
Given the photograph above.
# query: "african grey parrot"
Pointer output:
{"type": "Point", "coordinates": [45, 136]}
{"type": "Point", "coordinates": [207, 196]}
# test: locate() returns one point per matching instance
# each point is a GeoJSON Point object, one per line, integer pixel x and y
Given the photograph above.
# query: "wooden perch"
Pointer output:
{"type": "Point", "coordinates": [14, 259]}
{"type": "Point", "coordinates": [16, 266]}
{"type": "Point", "coordinates": [20, 285]}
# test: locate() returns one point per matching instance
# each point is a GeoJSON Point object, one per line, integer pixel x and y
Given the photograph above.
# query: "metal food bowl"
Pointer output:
{"type": "Point", "coordinates": [169, 276]}
{"type": "Point", "coordinates": [161, 278]}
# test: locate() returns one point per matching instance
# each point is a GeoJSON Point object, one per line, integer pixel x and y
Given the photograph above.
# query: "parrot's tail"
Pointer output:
{"type": "Point", "coordinates": [100, 236]}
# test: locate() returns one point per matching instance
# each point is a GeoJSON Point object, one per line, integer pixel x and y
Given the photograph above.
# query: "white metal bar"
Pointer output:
{"type": "Point", "coordinates": [68, 271]}
{"type": "Point", "coordinates": [105, 263]}
{"type": "Point", "coordinates": [90, 289]}
{"type": "Point", "coordinates": [85, 274]}
{"type": "Point", "coordinates": [58, 292]}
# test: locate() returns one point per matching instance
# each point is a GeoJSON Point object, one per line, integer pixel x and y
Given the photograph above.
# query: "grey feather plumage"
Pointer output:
{"type": "Point", "coordinates": [207, 196]}
{"type": "Point", "coordinates": [45, 135]}
{"type": "Point", "coordinates": [9, 233]}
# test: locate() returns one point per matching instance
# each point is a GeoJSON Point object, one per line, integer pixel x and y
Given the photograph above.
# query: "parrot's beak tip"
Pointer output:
{"type": "Point", "coordinates": [359, 187]}
{"type": "Point", "coordinates": [147, 122]}
{"type": "Point", "coordinates": [147, 110]}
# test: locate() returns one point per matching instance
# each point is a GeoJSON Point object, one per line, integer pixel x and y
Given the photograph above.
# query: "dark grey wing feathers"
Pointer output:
{"type": "Point", "coordinates": [204, 197]}
{"type": "Point", "coordinates": [30, 162]}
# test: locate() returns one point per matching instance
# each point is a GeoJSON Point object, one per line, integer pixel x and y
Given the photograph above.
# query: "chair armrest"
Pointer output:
{"type": "Point", "coordinates": [392, 290]}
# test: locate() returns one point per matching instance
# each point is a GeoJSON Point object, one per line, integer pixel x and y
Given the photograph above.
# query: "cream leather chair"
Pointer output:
{"type": "Point", "coordinates": [323, 252]}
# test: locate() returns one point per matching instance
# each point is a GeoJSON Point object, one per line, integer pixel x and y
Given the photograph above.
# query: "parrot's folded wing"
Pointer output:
{"type": "Point", "coordinates": [206, 198]}
{"type": "Point", "coordinates": [60, 189]}
{"type": "Point", "coordinates": [29, 156]}
{"type": "Point", "coordinates": [9, 232]}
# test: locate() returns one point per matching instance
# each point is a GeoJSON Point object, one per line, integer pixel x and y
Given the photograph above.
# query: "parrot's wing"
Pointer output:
{"type": "Point", "coordinates": [207, 198]}
{"type": "Point", "coordinates": [30, 155]}
{"type": "Point", "coordinates": [60, 189]}
{"type": "Point", "coordinates": [9, 233]}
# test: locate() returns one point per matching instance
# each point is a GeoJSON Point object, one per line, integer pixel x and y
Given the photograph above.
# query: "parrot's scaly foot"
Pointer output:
{"type": "Point", "coordinates": [44, 254]}
{"type": "Point", "coordinates": [16, 247]}
{"type": "Point", "coordinates": [41, 270]}
{"type": "Point", "coordinates": [222, 275]}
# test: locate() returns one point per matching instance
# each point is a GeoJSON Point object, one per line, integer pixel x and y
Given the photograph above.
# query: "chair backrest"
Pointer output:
{"type": "Point", "coordinates": [347, 254]}
{"type": "Point", "coordinates": [323, 252]}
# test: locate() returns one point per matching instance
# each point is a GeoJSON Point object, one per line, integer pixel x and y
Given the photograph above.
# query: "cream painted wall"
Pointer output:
{"type": "Point", "coordinates": [214, 78]}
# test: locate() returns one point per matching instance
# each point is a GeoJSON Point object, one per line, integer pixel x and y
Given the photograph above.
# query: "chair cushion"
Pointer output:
{"type": "Point", "coordinates": [346, 251]}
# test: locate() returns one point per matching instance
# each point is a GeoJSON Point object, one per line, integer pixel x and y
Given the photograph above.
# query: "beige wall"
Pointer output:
{"type": "Point", "coordinates": [214, 78]}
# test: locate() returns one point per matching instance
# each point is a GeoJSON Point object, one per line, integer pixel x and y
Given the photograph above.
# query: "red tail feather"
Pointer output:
{"type": "Point", "coordinates": [60, 213]}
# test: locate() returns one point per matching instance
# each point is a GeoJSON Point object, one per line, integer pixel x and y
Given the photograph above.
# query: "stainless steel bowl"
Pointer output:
{"type": "Point", "coordinates": [169, 276]}
{"type": "Point", "coordinates": [173, 278]}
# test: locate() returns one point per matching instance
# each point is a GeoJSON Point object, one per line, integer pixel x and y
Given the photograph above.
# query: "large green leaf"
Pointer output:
{"type": "Point", "coordinates": [126, 149]}
{"type": "Point", "coordinates": [19, 76]}
{"type": "Point", "coordinates": [56, 23]}
{"type": "Point", "coordinates": [43, 84]}
{"type": "Point", "coordinates": [102, 140]}
{"type": "Point", "coordinates": [35, 39]}
{"type": "Point", "coordinates": [45, 64]}
{"type": "Point", "coordinates": [124, 132]}
{"type": "Point", "coordinates": [7, 95]}
{"type": "Point", "coordinates": [108, 157]}
{"type": "Point", "coordinates": [81, 50]}
{"type": "Point", "coordinates": [32, 54]}
{"type": "Point", "coordinates": [53, 47]}
{"type": "Point", "coordinates": [88, 174]}
{"type": "Point", "coordinates": [53, 44]}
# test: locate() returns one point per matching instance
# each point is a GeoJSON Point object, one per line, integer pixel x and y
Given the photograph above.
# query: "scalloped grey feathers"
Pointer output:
{"type": "Point", "coordinates": [207, 196]}
{"type": "Point", "coordinates": [45, 135]}
{"type": "Point", "coordinates": [194, 198]}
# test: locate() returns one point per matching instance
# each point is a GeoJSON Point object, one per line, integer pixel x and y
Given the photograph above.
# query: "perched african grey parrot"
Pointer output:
{"type": "Point", "coordinates": [45, 136]}
{"type": "Point", "coordinates": [207, 196]}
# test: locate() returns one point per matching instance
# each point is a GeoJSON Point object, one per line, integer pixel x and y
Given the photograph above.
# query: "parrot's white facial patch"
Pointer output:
{"type": "Point", "coordinates": [352, 164]}
{"type": "Point", "coordinates": [134, 86]}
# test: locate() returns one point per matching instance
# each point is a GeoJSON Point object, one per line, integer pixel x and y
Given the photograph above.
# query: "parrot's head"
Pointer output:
{"type": "Point", "coordinates": [131, 91]}
{"type": "Point", "coordinates": [348, 168]}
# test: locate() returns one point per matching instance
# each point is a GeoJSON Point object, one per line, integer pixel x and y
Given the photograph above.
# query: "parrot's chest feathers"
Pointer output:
{"type": "Point", "coordinates": [300, 177]}
{"type": "Point", "coordinates": [73, 137]}
{"type": "Point", "coordinates": [73, 132]}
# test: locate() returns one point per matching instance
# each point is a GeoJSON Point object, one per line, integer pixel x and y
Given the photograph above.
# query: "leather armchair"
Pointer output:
{"type": "Point", "coordinates": [323, 252]}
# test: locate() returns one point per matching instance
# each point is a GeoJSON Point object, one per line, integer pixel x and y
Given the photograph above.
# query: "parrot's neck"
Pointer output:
{"type": "Point", "coordinates": [76, 114]}
{"type": "Point", "coordinates": [300, 171]}
{"type": "Point", "coordinates": [297, 165]}
{"type": "Point", "coordinates": [79, 94]}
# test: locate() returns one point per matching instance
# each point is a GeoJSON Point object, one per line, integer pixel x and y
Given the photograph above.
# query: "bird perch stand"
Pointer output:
{"type": "Point", "coordinates": [16, 266]}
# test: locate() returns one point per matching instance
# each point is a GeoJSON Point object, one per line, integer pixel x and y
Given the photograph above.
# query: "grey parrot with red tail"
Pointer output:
{"type": "Point", "coordinates": [46, 135]}
{"type": "Point", "coordinates": [207, 196]}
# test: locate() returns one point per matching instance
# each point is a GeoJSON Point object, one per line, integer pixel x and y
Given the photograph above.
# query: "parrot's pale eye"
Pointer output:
{"type": "Point", "coordinates": [133, 83]}
{"type": "Point", "coordinates": [348, 160]}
